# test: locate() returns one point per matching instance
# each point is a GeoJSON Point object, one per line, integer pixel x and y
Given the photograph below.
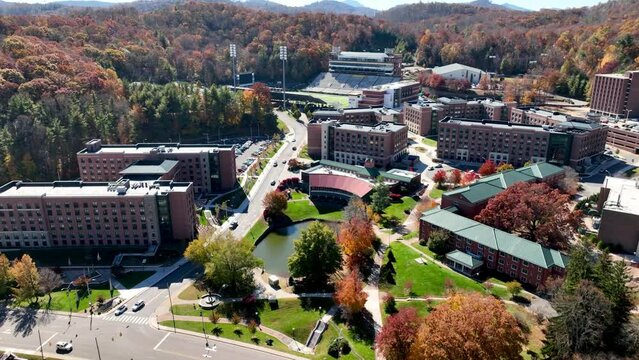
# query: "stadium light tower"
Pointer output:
{"type": "Point", "coordinates": [233, 52]}
{"type": "Point", "coordinates": [283, 57]}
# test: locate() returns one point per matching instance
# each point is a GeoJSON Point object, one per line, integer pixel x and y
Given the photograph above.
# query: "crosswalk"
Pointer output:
{"type": "Point", "coordinates": [127, 319]}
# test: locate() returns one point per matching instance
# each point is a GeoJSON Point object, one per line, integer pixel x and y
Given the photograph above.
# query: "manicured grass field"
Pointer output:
{"type": "Point", "coordinates": [397, 209]}
{"type": "Point", "coordinates": [330, 99]}
{"type": "Point", "coordinates": [360, 349]}
{"type": "Point", "coordinates": [304, 153]}
{"type": "Point", "coordinates": [61, 301]}
{"type": "Point", "coordinates": [191, 293]}
{"type": "Point", "coordinates": [132, 278]}
{"type": "Point", "coordinates": [427, 279]}
{"type": "Point", "coordinates": [425, 250]}
{"type": "Point", "coordinates": [436, 192]}
{"type": "Point", "coordinates": [430, 142]}
{"type": "Point", "coordinates": [228, 332]}
{"type": "Point", "coordinates": [305, 210]}
{"type": "Point", "coordinates": [410, 235]}
{"type": "Point", "coordinates": [293, 317]}
{"type": "Point", "coordinates": [296, 195]}
{"type": "Point", "coordinates": [258, 229]}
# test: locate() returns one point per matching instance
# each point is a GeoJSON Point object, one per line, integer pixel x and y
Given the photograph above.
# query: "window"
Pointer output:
{"type": "Point", "coordinates": [513, 267]}
{"type": "Point", "coordinates": [501, 261]}
{"type": "Point", "coordinates": [515, 259]}
{"type": "Point", "coordinates": [524, 263]}
{"type": "Point", "coordinates": [524, 271]}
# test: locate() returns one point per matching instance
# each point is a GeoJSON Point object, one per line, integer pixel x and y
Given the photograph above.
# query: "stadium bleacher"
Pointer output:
{"type": "Point", "coordinates": [347, 84]}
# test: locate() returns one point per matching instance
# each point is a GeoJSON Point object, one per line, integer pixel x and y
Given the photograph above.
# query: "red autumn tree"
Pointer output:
{"type": "Point", "coordinates": [469, 177]}
{"type": "Point", "coordinates": [262, 92]}
{"type": "Point", "coordinates": [436, 81]}
{"type": "Point", "coordinates": [398, 334]}
{"type": "Point", "coordinates": [440, 177]}
{"type": "Point", "coordinates": [536, 212]}
{"type": "Point", "coordinates": [469, 326]}
{"type": "Point", "coordinates": [275, 203]}
{"type": "Point", "coordinates": [356, 239]}
{"type": "Point", "coordinates": [455, 177]}
{"type": "Point", "coordinates": [487, 168]}
{"type": "Point", "coordinates": [350, 295]}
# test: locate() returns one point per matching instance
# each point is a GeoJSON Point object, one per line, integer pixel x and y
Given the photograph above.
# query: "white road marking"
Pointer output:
{"type": "Point", "coordinates": [161, 341]}
{"type": "Point", "coordinates": [46, 341]}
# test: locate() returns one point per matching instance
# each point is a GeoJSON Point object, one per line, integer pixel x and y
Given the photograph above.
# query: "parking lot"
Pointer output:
{"type": "Point", "coordinates": [244, 160]}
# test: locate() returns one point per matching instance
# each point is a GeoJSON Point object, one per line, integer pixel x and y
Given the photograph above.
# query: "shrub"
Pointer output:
{"type": "Point", "coordinates": [235, 319]}
{"type": "Point", "coordinates": [214, 317]}
{"type": "Point", "coordinates": [408, 288]}
{"type": "Point", "coordinates": [100, 299]}
{"type": "Point", "coordinates": [255, 340]}
{"type": "Point", "coordinates": [391, 256]}
{"type": "Point", "coordinates": [238, 332]}
{"type": "Point", "coordinates": [217, 331]}
{"type": "Point", "coordinates": [252, 326]}
{"type": "Point", "coordinates": [390, 306]}
{"type": "Point", "coordinates": [339, 346]}
{"type": "Point", "coordinates": [514, 287]}
{"type": "Point", "coordinates": [487, 285]}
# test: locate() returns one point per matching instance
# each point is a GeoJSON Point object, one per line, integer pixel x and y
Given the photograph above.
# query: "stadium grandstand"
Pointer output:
{"type": "Point", "coordinates": [347, 84]}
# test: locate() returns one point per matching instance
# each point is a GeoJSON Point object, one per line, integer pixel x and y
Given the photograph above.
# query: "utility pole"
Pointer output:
{"type": "Point", "coordinates": [233, 52]}
{"type": "Point", "coordinates": [98, 348]}
{"type": "Point", "coordinates": [168, 287]}
{"type": "Point", "coordinates": [283, 57]}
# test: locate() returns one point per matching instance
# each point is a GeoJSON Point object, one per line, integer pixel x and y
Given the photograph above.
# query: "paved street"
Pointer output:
{"type": "Point", "coordinates": [247, 217]}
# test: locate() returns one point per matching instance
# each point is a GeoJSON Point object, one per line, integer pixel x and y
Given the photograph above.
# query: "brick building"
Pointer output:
{"type": "Point", "coordinates": [626, 138]}
{"type": "Point", "coordinates": [470, 200]}
{"type": "Point", "coordinates": [571, 143]}
{"type": "Point", "coordinates": [370, 116]}
{"type": "Point", "coordinates": [478, 246]}
{"type": "Point", "coordinates": [391, 95]}
{"type": "Point", "coordinates": [211, 169]}
{"type": "Point", "coordinates": [76, 213]}
{"type": "Point", "coordinates": [616, 94]}
{"type": "Point", "coordinates": [354, 144]}
{"type": "Point", "coordinates": [619, 206]}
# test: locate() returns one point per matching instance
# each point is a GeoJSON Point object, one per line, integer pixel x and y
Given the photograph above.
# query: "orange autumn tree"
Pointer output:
{"type": "Point", "coordinates": [356, 239]}
{"type": "Point", "coordinates": [469, 326]}
{"type": "Point", "coordinates": [350, 295]}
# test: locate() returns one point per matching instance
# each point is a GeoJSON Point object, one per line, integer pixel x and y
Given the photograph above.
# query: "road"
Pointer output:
{"type": "Point", "coordinates": [129, 336]}
{"type": "Point", "coordinates": [247, 217]}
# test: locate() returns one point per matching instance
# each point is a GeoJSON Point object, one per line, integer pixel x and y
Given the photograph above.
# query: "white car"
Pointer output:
{"type": "Point", "coordinates": [64, 346]}
{"type": "Point", "coordinates": [120, 310]}
{"type": "Point", "coordinates": [138, 305]}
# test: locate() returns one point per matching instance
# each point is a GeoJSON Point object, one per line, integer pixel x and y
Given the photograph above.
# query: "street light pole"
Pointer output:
{"type": "Point", "coordinates": [204, 330]}
{"type": "Point", "coordinates": [233, 52]}
{"type": "Point", "coordinates": [41, 351]}
{"type": "Point", "coordinates": [283, 57]}
{"type": "Point", "coordinates": [168, 287]}
{"type": "Point", "coordinates": [98, 348]}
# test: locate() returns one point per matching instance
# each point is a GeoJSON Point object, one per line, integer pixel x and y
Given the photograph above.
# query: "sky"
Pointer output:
{"type": "Point", "coordinates": [385, 4]}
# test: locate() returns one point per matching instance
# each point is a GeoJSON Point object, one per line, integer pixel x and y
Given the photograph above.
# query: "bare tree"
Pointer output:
{"type": "Point", "coordinates": [49, 281]}
{"type": "Point", "coordinates": [569, 184]}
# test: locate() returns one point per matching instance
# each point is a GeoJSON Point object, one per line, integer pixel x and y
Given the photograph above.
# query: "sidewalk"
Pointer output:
{"type": "Point", "coordinates": [127, 294]}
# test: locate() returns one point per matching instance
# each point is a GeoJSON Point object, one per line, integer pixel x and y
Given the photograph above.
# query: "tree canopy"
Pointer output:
{"type": "Point", "coordinates": [316, 255]}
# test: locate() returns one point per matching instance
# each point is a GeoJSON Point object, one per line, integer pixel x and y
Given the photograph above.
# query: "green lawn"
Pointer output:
{"type": "Point", "coordinates": [202, 219]}
{"type": "Point", "coordinates": [258, 229]}
{"type": "Point", "coordinates": [227, 332]}
{"type": "Point", "coordinates": [425, 250]}
{"type": "Point", "coordinates": [233, 199]}
{"type": "Point", "coordinates": [341, 100]}
{"type": "Point", "coordinates": [427, 279]}
{"type": "Point", "coordinates": [191, 293]}
{"type": "Point", "coordinates": [358, 347]}
{"type": "Point", "coordinates": [436, 192]}
{"type": "Point", "coordinates": [293, 317]}
{"type": "Point", "coordinates": [296, 195]}
{"type": "Point", "coordinates": [272, 149]}
{"type": "Point", "coordinates": [132, 278]}
{"type": "Point", "coordinates": [422, 307]}
{"type": "Point", "coordinates": [282, 126]}
{"type": "Point", "coordinates": [430, 142]}
{"type": "Point", "coordinates": [500, 292]}
{"type": "Point", "coordinates": [397, 209]}
{"type": "Point", "coordinates": [304, 153]}
{"type": "Point", "coordinates": [61, 301]}
{"type": "Point", "coordinates": [305, 210]}
{"type": "Point", "coordinates": [410, 235]}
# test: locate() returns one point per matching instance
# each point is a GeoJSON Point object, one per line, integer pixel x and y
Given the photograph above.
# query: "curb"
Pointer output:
{"type": "Point", "coordinates": [234, 343]}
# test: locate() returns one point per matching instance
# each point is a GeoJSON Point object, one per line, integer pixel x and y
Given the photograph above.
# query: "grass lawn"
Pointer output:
{"type": "Point", "coordinates": [272, 149]}
{"type": "Point", "coordinates": [248, 185]}
{"type": "Point", "coordinates": [500, 292]}
{"type": "Point", "coordinates": [191, 293]}
{"type": "Point", "coordinates": [296, 195]}
{"type": "Point", "coordinates": [304, 152]}
{"type": "Point", "coordinates": [258, 229]}
{"type": "Point", "coordinates": [410, 235]}
{"type": "Point", "coordinates": [60, 301]}
{"type": "Point", "coordinates": [233, 199]}
{"type": "Point", "coordinates": [282, 126]}
{"type": "Point", "coordinates": [228, 332]}
{"type": "Point", "coordinates": [397, 209]}
{"type": "Point", "coordinates": [358, 347]}
{"type": "Point", "coordinates": [536, 335]}
{"type": "Point", "coordinates": [341, 100]}
{"type": "Point", "coordinates": [427, 279]}
{"type": "Point", "coordinates": [430, 142]}
{"type": "Point", "coordinates": [425, 250]}
{"type": "Point", "coordinates": [422, 307]}
{"type": "Point", "coordinates": [132, 278]}
{"type": "Point", "coordinates": [304, 210]}
{"type": "Point", "coordinates": [202, 219]}
{"type": "Point", "coordinates": [293, 317]}
{"type": "Point", "coordinates": [436, 193]}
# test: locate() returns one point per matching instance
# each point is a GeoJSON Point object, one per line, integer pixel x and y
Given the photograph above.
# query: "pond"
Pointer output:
{"type": "Point", "coordinates": [277, 246]}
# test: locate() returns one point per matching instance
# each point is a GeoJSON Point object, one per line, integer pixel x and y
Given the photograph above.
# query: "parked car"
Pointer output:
{"type": "Point", "coordinates": [430, 168]}
{"type": "Point", "coordinates": [120, 310]}
{"type": "Point", "coordinates": [138, 305]}
{"type": "Point", "coordinates": [64, 346]}
{"type": "Point", "coordinates": [273, 183]}
{"type": "Point", "coordinates": [439, 166]}
{"type": "Point", "coordinates": [294, 148]}
{"type": "Point", "coordinates": [275, 165]}
{"type": "Point", "coordinates": [284, 162]}
{"type": "Point", "coordinates": [233, 225]}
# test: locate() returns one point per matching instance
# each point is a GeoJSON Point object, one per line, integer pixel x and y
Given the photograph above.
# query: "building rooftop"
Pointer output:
{"type": "Point", "coordinates": [393, 175]}
{"type": "Point", "coordinates": [82, 189]}
{"type": "Point", "coordinates": [379, 128]}
{"type": "Point", "coordinates": [565, 127]}
{"type": "Point", "coordinates": [496, 239]}
{"type": "Point", "coordinates": [360, 55]}
{"type": "Point", "coordinates": [395, 85]}
{"type": "Point", "coordinates": [465, 259]}
{"type": "Point", "coordinates": [487, 187]}
{"type": "Point", "coordinates": [623, 196]}
{"type": "Point", "coordinates": [454, 67]}
{"type": "Point", "coordinates": [147, 148]}
{"type": "Point", "coordinates": [150, 167]}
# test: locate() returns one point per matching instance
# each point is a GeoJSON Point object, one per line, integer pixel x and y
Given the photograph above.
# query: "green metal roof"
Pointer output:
{"type": "Point", "coordinates": [464, 259]}
{"type": "Point", "coordinates": [496, 239]}
{"type": "Point", "coordinates": [488, 187]}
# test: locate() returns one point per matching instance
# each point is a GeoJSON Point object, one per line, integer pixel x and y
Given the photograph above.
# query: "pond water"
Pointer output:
{"type": "Point", "coordinates": [277, 246]}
